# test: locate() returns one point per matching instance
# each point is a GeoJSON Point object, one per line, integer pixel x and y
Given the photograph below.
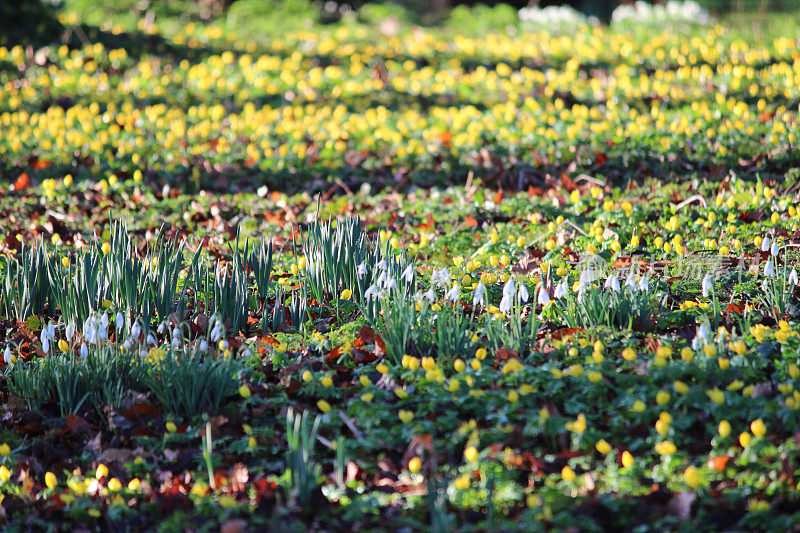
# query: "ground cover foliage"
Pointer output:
{"type": "Point", "coordinates": [530, 282]}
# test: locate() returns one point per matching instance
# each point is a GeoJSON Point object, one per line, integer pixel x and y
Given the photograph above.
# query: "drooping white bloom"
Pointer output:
{"type": "Point", "coordinates": [587, 276]}
{"type": "Point", "coordinates": [508, 288]}
{"type": "Point", "coordinates": [643, 284]}
{"type": "Point", "coordinates": [390, 284]}
{"type": "Point", "coordinates": [84, 350]}
{"type": "Point", "coordinates": [765, 286]}
{"type": "Point", "coordinates": [561, 289]}
{"type": "Point", "coordinates": [104, 320]}
{"type": "Point", "coordinates": [774, 249]}
{"type": "Point", "coordinates": [542, 298]}
{"type": "Point", "coordinates": [361, 270]}
{"type": "Point", "coordinates": [523, 292]}
{"type": "Point", "coordinates": [7, 355]}
{"type": "Point", "coordinates": [408, 274]}
{"type": "Point", "coordinates": [128, 344]}
{"type": "Point", "coordinates": [765, 244]}
{"type": "Point", "coordinates": [119, 320]}
{"type": "Point", "coordinates": [441, 277]}
{"type": "Point", "coordinates": [70, 331]}
{"type": "Point", "coordinates": [160, 329]}
{"type": "Point", "coordinates": [176, 333]}
{"type": "Point", "coordinates": [769, 269]}
{"type": "Point", "coordinates": [630, 281]}
{"type": "Point", "coordinates": [706, 285]}
{"type": "Point", "coordinates": [51, 331]}
{"type": "Point", "coordinates": [454, 294]}
{"type": "Point", "coordinates": [45, 344]}
{"type": "Point", "coordinates": [612, 282]}
{"type": "Point", "coordinates": [371, 292]}
{"type": "Point", "coordinates": [701, 336]}
{"type": "Point", "coordinates": [480, 294]}
{"type": "Point", "coordinates": [429, 295]}
{"type": "Point", "coordinates": [505, 303]}
{"type": "Point", "coordinates": [176, 343]}
{"type": "Point", "coordinates": [203, 345]}
{"type": "Point", "coordinates": [382, 264]}
{"type": "Point", "coordinates": [793, 277]}
{"type": "Point", "coordinates": [136, 330]}
{"type": "Point", "coordinates": [151, 340]}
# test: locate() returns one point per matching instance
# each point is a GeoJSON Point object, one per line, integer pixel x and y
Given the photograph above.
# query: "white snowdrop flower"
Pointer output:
{"type": "Point", "coordinates": [151, 340]}
{"type": "Point", "coordinates": [136, 330]}
{"type": "Point", "coordinates": [429, 295]}
{"type": "Point", "coordinates": [371, 292]}
{"type": "Point", "coordinates": [102, 334]}
{"type": "Point", "coordinates": [480, 294]}
{"type": "Point", "coordinates": [706, 285]}
{"type": "Point", "coordinates": [774, 249]}
{"type": "Point", "coordinates": [176, 343]}
{"type": "Point", "coordinates": [70, 332]}
{"type": "Point", "coordinates": [643, 284]}
{"type": "Point", "coordinates": [90, 334]}
{"type": "Point", "coordinates": [382, 264]}
{"type": "Point", "coordinates": [764, 286]}
{"type": "Point", "coordinates": [441, 277]}
{"type": "Point", "coordinates": [381, 281]}
{"type": "Point", "coordinates": [142, 353]}
{"type": "Point", "coordinates": [508, 288]}
{"type": "Point", "coordinates": [51, 331]}
{"type": "Point", "coordinates": [43, 335]}
{"type": "Point", "coordinates": [612, 282]}
{"type": "Point", "coordinates": [104, 320]}
{"type": "Point", "coordinates": [454, 294]}
{"type": "Point", "coordinates": [128, 344]}
{"type": "Point", "coordinates": [45, 344]}
{"type": "Point", "coordinates": [7, 355]}
{"type": "Point", "coordinates": [630, 281]}
{"type": "Point", "coordinates": [561, 289]}
{"type": "Point", "coordinates": [203, 345]}
{"type": "Point", "coordinates": [119, 321]}
{"type": "Point", "coordinates": [523, 292]}
{"type": "Point", "coordinates": [161, 329]}
{"type": "Point", "coordinates": [505, 303]}
{"type": "Point", "coordinates": [408, 274]}
{"type": "Point", "coordinates": [769, 269]}
{"type": "Point", "coordinates": [542, 298]}
{"type": "Point", "coordinates": [361, 270]}
{"type": "Point", "coordinates": [176, 333]}
{"type": "Point", "coordinates": [391, 283]}
{"type": "Point", "coordinates": [84, 350]}
{"type": "Point", "coordinates": [215, 334]}
{"type": "Point", "coordinates": [248, 353]}
{"type": "Point", "coordinates": [793, 277]}
{"type": "Point", "coordinates": [587, 276]}
{"type": "Point", "coordinates": [765, 244]}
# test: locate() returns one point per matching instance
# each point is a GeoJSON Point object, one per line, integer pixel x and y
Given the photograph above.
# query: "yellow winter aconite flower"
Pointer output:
{"type": "Point", "coordinates": [405, 415]}
{"type": "Point", "coordinates": [692, 477]}
{"type": "Point", "coordinates": [578, 425]}
{"type": "Point", "coordinates": [567, 474]}
{"type": "Point", "coordinates": [414, 465]}
{"type": "Point", "coordinates": [5, 474]}
{"type": "Point", "coordinates": [627, 459]}
{"type": "Point", "coordinates": [724, 428]}
{"type": "Point", "coordinates": [323, 406]}
{"type": "Point", "coordinates": [744, 439]}
{"type": "Point", "coordinates": [462, 482]}
{"type": "Point", "coordinates": [602, 446]}
{"type": "Point", "coordinates": [5, 450]}
{"type": "Point", "coordinates": [50, 480]}
{"type": "Point", "coordinates": [471, 454]}
{"type": "Point", "coordinates": [244, 391]}
{"type": "Point", "coordinates": [665, 448]}
{"type": "Point", "coordinates": [758, 427]}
